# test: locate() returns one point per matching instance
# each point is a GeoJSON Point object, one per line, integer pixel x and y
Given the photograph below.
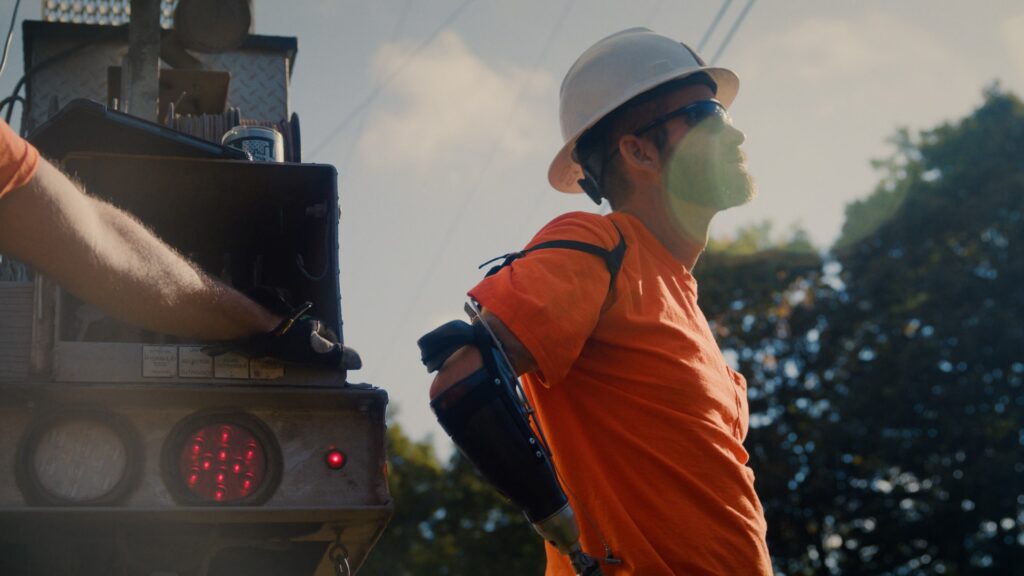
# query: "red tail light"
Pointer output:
{"type": "Point", "coordinates": [229, 465]}
{"type": "Point", "coordinates": [221, 458]}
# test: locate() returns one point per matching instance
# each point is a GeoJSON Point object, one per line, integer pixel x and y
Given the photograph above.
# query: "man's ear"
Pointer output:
{"type": "Point", "coordinates": [639, 153]}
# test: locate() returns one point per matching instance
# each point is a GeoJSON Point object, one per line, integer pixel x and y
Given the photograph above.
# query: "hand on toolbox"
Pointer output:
{"type": "Point", "coordinates": [299, 338]}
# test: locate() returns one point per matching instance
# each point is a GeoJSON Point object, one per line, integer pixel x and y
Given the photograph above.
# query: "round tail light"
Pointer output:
{"type": "Point", "coordinates": [78, 457]}
{"type": "Point", "coordinates": [221, 457]}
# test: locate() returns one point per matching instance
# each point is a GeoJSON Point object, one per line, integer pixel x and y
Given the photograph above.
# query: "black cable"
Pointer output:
{"type": "Point", "coordinates": [344, 165]}
{"type": "Point", "coordinates": [10, 36]}
{"type": "Point", "coordinates": [714, 24]}
{"type": "Point", "coordinates": [464, 203]}
{"type": "Point", "coordinates": [9, 102]}
{"type": "Point", "coordinates": [114, 30]}
{"type": "Point", "coordinates": [735, 26]}
{"type": "Point", "coordinates": [379, 87]}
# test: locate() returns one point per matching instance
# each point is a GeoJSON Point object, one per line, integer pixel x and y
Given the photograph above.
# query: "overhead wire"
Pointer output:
{"type": "Point", "coordinates": [22, 82]}
{"type": "Point", "coordinates": [713, 25]}
{"type": "Point", "coordinates": [432, 267]}
{"type": "Point", "coordinates": [387, 80]}
{"type": "Point", "coordinates": [732, 31]}
{"type": "Point", "coordinates": [351, 153]}
{"type": "Point", "coordinates": [446, 238]}
{"type": "Point", "coordinates": [10, 36]}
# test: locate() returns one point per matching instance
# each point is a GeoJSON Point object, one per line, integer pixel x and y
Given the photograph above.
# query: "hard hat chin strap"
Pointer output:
{"type": "Point", "coordinates": [590, 186]}
{"type": "Point", "coordinates": [592, 161]}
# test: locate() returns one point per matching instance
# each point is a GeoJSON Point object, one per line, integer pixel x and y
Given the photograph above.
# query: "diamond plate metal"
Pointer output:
{"type": "Point", "coordinates": [259, 82]}
{"type": "Point", "coordinates": [80, 75]}
{"type": "Point", "coordinates": [259, 79]}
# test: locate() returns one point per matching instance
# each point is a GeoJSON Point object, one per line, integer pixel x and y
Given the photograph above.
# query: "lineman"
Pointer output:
{"type": "Point", "coordinates": [645, 419]}
{"type": "Point", "coordinates": [106, 257]}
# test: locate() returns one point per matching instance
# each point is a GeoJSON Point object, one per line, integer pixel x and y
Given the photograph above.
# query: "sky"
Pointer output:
{"type": "Point", "coordinates": [441, 117]}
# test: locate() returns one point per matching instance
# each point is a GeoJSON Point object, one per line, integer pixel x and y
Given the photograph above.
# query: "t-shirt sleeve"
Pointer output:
{"type": "Point", "coordinates": [18, 160]}
{"type": "Point", "coordinates": [551, 299]}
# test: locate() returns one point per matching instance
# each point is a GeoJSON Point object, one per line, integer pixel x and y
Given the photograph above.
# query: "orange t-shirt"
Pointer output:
{"type": "Point", "coordinates": [645, 419]}
{"type": "Point", "coordinates": [18, 160]}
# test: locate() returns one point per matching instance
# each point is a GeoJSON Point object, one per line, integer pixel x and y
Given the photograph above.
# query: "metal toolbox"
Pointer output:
{"type": "Point", "coordinates": [263, 228]}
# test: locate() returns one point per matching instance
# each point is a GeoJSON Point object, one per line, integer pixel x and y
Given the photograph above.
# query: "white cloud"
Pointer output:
{"type": "Point", "coordinates": [820, 94]}
{"type": "Point", "coordinates": [823, 47]}
{"type": "Point", "coordinates": [874, 48]}
{"type": "Point", "coordinates": [449, 106]}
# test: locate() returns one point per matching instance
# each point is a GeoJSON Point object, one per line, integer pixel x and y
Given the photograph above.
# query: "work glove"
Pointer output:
{"type": "Point", "coordinates": [300, 339]}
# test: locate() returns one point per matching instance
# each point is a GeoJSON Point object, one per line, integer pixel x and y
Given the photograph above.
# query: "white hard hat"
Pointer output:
{"type": "Point", "coordinates": [612, 72]}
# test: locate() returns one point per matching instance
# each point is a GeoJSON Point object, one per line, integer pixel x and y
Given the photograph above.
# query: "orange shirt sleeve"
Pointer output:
{"type": "Point", "coordinates": [551, 299]}
{"type": "Point", "coordinates": [18, 160]}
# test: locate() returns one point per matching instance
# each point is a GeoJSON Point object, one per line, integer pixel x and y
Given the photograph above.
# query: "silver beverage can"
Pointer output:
{"type": "Point", "coordinates": [261, 143]}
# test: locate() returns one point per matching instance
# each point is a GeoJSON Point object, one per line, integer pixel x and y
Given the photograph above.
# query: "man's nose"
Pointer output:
{"type": "Point", "coordinates": [732, 134]}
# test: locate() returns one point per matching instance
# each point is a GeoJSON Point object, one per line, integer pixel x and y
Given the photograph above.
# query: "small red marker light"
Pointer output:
{"type": "Point", "coordinates": [335, 459]}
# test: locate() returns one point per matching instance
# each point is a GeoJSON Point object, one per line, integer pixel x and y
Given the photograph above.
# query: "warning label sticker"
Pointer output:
{"type": "Point", "coordinates": [266, 369]}
{"type": "Point", "coordinates": [192, 363]}
{"type": "Point", "coordinates": [159, 361]}
{"type": "Point", "coordinates": [231, 365]}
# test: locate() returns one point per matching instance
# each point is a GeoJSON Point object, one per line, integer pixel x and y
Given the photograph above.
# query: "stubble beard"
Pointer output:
{"type": "Point", "coordinates": [711, 178]}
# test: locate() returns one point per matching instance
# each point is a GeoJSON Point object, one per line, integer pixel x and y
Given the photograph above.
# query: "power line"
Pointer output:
{"type": "Point", "coordinates": [399, 26]}
{"type": "Point", "coordinates": [714, 24]}
{"type": "Point", "coordinates": [383, 84]}
{"type": "Point", "coordinates": [446, 238]}
{"type": "Point", "coordinates": [10, 36]}
{"type": "Point", "coordinates": [732, 32]}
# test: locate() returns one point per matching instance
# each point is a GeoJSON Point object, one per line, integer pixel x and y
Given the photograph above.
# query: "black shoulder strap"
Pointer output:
{"type": "Point", "coordinates": [612, 258]}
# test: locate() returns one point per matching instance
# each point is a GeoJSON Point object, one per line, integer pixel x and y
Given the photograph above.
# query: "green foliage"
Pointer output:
{"type": "Point", "coordinates": [448, 520]}
{"type": "Point", "coordinates": [887, 385]}
{"type": "Point", "coordinates": [886, 381]}
{"type": "Point", "coordinates": [757, 238]}
{"type": "Point", "coordinates": [863, 217]}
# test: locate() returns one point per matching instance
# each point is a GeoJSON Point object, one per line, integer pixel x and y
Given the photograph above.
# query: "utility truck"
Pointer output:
{"type": "Point", "coordinates": [130, 452]}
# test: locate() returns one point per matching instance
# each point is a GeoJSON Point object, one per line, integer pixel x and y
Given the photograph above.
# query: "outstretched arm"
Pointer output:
{"type": "Point", "coordinates": [108, 258]}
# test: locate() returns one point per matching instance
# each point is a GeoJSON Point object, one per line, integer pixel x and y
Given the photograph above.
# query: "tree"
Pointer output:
{"type": "Point", "coordinates": [886, 381]}
{"type": "Point", "coordinates": [448, 520]}
{"type": "Point", "coordinates": [886, 384]}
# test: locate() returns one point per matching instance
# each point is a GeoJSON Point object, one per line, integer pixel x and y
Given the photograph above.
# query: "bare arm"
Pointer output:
{"type": "Point", "coordinates": [108, 258]}
{"type": "Point", "coordinates": [467, 359]}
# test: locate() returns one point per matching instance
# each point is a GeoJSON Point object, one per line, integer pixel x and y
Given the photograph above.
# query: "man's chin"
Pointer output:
{"type": "Point", "coordinates": [739, 189]}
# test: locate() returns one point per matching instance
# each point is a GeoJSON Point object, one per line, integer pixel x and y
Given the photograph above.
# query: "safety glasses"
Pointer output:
{"type": "Point", "coordinates": [693, 114]}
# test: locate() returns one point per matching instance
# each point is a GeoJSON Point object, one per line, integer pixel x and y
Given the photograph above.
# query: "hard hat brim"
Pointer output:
{"type": "Point", "coordinates": [564, 173]}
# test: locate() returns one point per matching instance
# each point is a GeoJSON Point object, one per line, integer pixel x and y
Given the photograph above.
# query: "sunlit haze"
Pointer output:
{"type": "Point", "coordinates": [442, 117]}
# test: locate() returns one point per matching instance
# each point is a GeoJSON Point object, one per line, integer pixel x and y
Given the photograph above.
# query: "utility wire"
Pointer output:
{"type": "Point", "coordinates": [10, 36]}
{"type": "Point", "coordinates": [381, 85]}
{"type": "Point", "coordinates": [443, 243]}
{"type": "Point", "coordinates": [350, 155]}
{"type": "Point", "coordinates": [714, 24]}
{"type": "Point", "coordinates": [732, 31]}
